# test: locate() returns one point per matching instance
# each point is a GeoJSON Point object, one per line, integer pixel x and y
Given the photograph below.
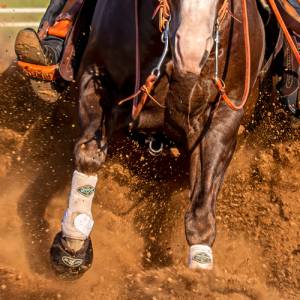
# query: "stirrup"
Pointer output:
{"type": "Point", "coordinates": [46, 73]}
{"type": "Point", "coordinates": [42, 79]}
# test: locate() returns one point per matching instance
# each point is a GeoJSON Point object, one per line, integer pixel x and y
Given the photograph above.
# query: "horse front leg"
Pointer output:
{"type": "Point", "coordinates": [72, 252]}
{"type": "Point", "coordinates": [208, 163]}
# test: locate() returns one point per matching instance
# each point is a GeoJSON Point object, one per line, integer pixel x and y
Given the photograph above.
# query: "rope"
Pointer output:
{"type": "Point", "coordinates": [164, 10]}
{"type": "Point", "coordinates": [146, 91]}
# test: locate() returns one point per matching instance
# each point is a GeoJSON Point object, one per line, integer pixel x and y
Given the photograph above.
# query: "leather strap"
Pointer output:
{"type": "Point", "coordinates": [285, 30]}
{"type": "Point", "coordinates": [221, 85]}
{"type": "Point", "coordinates": [66, 69]}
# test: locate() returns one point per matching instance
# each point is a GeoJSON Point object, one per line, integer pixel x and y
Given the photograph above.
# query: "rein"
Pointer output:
{"type": "Point", "coordinates": [218, 81]}
{"type": "Point", "coordinates": [285, 30]}
{"type": "Point", "coordinates": [142, 93]}
{"type": "Point", "coordinates": [145, 90]}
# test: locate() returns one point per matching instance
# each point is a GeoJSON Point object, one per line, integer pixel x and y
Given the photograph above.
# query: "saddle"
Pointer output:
{"type": "Point", "coordinates": [76, 41]}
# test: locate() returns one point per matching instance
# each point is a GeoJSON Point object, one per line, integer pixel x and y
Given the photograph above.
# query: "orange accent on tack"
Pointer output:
{"type": "Point", "coordinates": [221, 85]}
{"type": "Point", "coordinates": [61, 28]}
{"type": "Point", "coordinates": [47, 73]}
{"type": "Point", "coordinates": [285, 30]}
{"type": "Point", "coordinates": [164, 10]}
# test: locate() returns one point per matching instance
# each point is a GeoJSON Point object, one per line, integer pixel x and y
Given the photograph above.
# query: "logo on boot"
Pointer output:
{"type": "Point", "coordinates": [86, 190]}
{"type": "Point", "coordinates": [72, 262]}
{"type": "Point", "coordinates": [202, 258]}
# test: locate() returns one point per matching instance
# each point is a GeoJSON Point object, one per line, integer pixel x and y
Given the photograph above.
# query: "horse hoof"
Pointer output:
{"type": "Point", "coordinates": [200, 257]}
{"type": "Point", "coordinates": [68, 264]}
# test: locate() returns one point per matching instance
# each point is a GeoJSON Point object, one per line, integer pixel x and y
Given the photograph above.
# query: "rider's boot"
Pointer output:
{"type": "Point", "coordinates": [31, 49]}
{"type": "Point", "coordinates": [39, 53]}
{"type": "Point", "coordinates": [45, 47]}
{"type": "Point", "coordinates": [289, 85]}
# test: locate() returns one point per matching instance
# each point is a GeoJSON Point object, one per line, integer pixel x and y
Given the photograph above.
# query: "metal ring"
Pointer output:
{"type": "Point", "coordinates": [152, 150]}
{"type": "Point", "coordinates": [156, 72]}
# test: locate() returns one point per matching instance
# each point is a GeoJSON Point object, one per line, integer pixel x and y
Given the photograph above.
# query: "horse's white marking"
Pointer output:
{"type": "Point", "coordinates": [194, 37]}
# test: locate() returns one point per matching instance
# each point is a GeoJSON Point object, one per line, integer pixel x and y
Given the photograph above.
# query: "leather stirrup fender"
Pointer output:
{"type": "Point", "coordinates": [47, 73]}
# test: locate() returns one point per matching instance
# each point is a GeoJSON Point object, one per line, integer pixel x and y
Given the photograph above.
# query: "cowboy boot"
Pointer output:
{"type": "Point", "coordinates": [31, 49]}
{"type": "Point", "coordinates": [39, 53]}
{"type": "Point", "coordinates": [289, 85]}
{"type": "Point", "coordinates": [45, 47]}
{"type": "Point", "coordinates": [41, 48]}
{"type": "Point", "coordinates": [38, 59]}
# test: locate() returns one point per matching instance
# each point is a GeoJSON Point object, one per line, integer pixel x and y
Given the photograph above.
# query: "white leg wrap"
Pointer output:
{"type": "Point", "coordinates": [78, 220]}
{"type": "Point", "coordinates": [201, 257]}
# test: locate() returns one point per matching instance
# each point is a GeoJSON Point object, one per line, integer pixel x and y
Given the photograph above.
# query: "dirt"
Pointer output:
{"type": "Point", "coordinates": [139, 244]}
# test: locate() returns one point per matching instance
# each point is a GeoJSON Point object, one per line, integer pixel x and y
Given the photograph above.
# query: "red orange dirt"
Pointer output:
{"type": "Point", "coordinates": [139, 244]}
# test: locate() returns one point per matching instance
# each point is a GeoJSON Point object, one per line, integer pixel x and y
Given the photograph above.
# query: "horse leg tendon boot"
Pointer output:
{"type": "Point", "coordinates": [72, 252]}
{"type": "Point", "coordinates": [200, 257]}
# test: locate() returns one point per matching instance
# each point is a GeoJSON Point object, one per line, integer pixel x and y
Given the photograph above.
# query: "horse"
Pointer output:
{"type": "Point", "coordinates": [203, 41]}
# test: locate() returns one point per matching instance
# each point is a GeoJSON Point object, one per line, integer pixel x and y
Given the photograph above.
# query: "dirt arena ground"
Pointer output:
{"type": "Point", "coordinates": [139, 243]}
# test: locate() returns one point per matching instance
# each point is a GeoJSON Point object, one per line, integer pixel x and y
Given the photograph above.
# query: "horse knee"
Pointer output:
{"type": "Point", "coordinates": [89, 157]}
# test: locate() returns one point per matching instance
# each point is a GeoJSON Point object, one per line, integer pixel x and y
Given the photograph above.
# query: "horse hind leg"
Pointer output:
{"type": "Point", "coordinates": [209, 161]}
{"type": "Point", "coordinates": [72, 252]}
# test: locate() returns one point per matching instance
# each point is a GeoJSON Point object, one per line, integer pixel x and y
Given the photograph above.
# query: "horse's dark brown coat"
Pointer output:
{"type": "Point", "coordinates": [208, 128]}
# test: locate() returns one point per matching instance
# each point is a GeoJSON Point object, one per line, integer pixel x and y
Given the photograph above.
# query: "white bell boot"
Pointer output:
{"type": "Point", "coordinates": [201, 257]}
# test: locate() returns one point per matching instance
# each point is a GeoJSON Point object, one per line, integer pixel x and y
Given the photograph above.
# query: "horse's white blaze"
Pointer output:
{"type": "Point", "coordinates": [194, 37]}
{"type": "Point", "coordinates": [78, 220]}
